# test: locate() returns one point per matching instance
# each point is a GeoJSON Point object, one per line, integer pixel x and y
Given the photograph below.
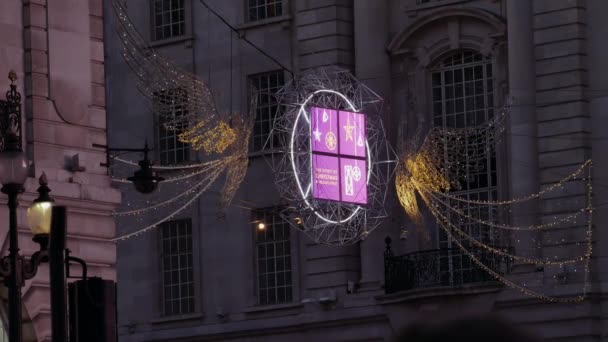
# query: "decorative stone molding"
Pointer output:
{"type": "Point", "coordinates": [420, 34]}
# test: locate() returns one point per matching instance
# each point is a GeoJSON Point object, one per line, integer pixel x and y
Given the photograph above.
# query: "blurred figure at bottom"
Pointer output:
{"type": "Point", "coordinates": [484, 328]}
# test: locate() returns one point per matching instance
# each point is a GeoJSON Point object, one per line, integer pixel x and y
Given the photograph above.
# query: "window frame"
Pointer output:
{"type": "Point", "coordinates": [501, 187]}
{"type": "Point", "coordinates": [275, 142]}
{"type": "Point", "coordinates": [246, 9]}
{"type": "Point", "coordinates": [187, 34]}
{"type": "Point", "coordinates": [194, 275]}
{"type": "Point", "coordinates": [292, 242]}
{"type": "Point", "coordinates": [185, 147]}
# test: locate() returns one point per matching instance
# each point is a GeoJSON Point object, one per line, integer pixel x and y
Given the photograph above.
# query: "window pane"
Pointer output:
{"type": "Point", "coordinates": [168, 106]}
{"type": "Point", "coordinates": [266, 87]}
{"type": "Point", "coordinates": [273, 257]}
{"type": "Point", "coordinates": [168, 19]}
{"type": "Point", "coordinates": [263, 9]}
{"type": "Point", "coordinates": [177, 272]}
{"type": "Point", "coordinates": [462, 97]}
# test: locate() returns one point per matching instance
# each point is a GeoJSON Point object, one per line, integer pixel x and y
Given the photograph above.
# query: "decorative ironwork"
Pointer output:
{"type": "Point", "coordinates": [10, 117]}
{"type": "Point", "coordinates": [325, 221]}
{"type": "Point", "coordinates": [438, 267]}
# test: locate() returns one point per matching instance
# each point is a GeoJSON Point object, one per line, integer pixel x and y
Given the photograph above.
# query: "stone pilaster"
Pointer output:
{"type": "Point", "coordinates": [64, 109]}
{"type": "Point", "coordinates": [325, 33]}
{"type": "Point", "coordinates": [563, 122]}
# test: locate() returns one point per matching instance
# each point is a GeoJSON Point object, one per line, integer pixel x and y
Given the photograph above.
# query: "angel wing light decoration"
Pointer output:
{"type": "Point", "coordinates": [184, 103]}
{"type": "Point", "coordinates": [436, 172]}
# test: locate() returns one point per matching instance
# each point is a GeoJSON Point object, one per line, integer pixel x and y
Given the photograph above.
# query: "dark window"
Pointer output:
{"type": "Point", "coordinates": [273, 256]}
{"type": "Point", "coordinates": [168, 18]}
{"type": "Point", "coordinates": [262, 9]}
{"type": "Point", "coordinates": [169, 108]}
{"type": "Point", "coordinates": [462, 95]}
{"type": "Point", "coordinates": [176, 254]}
{"type": "Point", "coordinates": [266, 85]}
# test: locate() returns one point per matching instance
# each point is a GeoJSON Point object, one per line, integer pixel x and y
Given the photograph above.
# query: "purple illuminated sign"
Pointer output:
{"type": "Point", "coordinates": [353, 179]}
{"type": "Point", "coordinates": [326, 180]}
{"type": "Point", "coordinates": [352, 134]}
{"type": "Point", "coordinates": [339, 169]}
{"type": "Point", "coordinates": [324, 130]}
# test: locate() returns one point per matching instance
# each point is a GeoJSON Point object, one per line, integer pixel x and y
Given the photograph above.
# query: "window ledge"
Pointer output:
{"type": "Point", "coordinates": [263, 308]}
{"type": "Point", "coordinates": [263, 22]}
{"type": "Point", "coordinates": [171, 41]}
{"type": "Point", "coordinates": [168, 319]}
{"type": "Point", "coordinates": [440, 291]}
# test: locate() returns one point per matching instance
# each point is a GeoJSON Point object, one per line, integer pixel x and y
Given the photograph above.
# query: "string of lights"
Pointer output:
{"type": "Point", "coordinates": [213, 176]}
{"type": "Point", "coordinates": [203, 168]}
{"type": "Point", "coordinates": [525, 198]}
{"type": "Point", "coordinates": [169, 167]}
{"type": "Point", "coordinates": [555, 222]}
{"type": "Point", "coordinates": [524, 289]}
{"type": "Point", "coordinates": [209, 177]}
{"type": "Point", "coordinates": [447, 224]}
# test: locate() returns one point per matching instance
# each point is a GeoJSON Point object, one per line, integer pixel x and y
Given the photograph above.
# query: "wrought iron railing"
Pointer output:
{"type": "Point", "coordinates": [439, 267]}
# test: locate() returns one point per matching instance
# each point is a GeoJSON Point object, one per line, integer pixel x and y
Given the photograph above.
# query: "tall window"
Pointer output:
{"type": "Point", "coordinates": [176, 254]}
{"type": "Point", "coordinates": [262, 9]}
{"type": "Point", "coordinates": [273, 254]}
{"type": "Point", "coordinates": [169, 108]}
{"type": "Point", "coordinates": [462, 94]}
{"type": "Point", "coordinates": [169, 19]}
{"type": "Point", "coordinates": [266, 85]}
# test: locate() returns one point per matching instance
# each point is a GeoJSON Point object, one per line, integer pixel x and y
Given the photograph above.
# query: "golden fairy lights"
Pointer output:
{"type": "Point", "coordinates": [233, 162]}
{"type": "Point", "coordinates": [433, 171]}
{"type": "Point", "coordinates": [415, 172]}
{"type": "Point", "coordinates": [214, 140]}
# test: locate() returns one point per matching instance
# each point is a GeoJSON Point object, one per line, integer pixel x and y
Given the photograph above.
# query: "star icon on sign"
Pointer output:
{"type": "Point", "coordinates": [348, 129]}
{"type": "Point", "coordinates": [317, 134]}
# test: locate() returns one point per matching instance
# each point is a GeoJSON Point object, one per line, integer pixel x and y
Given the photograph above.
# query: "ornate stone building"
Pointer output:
{"type": "Point", "coordinates": [56, 49]}
{"type": "Point", "coordinates": [240, 285]}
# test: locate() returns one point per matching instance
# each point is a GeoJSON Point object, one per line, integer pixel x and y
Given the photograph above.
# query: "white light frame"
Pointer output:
{"type": "Point", "coordinates": [303, 113]}
{"type": "Point", "coordinates": [328, 222]}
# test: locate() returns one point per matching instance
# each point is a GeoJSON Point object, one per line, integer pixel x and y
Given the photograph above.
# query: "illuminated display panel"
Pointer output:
{"type": "Point", "coordinates": [324, 129]}
{"type": "Point", "coordinates": [352, 137]}
{"type": "Point", "coordinates": [339, 169]}
{"type": "Point", "coordinates": [353, 181]}
{"type": "Point", "coordinates": [326, 183]}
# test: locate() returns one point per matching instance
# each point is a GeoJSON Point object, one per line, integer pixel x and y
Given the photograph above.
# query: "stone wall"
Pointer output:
{"type": "Point", "coordinates": [60, 64]}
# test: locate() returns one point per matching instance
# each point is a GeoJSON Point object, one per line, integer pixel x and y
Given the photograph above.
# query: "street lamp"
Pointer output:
{"type": "Point", "coordinates": [14, 167]}
{"type": "Point", "coordinates": [39, 214]}
{"type": "Point", "coordinates": [145, 179]}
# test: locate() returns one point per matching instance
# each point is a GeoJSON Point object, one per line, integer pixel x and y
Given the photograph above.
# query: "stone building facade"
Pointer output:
{"type": "Point", "coordinates": [56, 49]}
{"type": "Point", "coordinates": [545, 56]}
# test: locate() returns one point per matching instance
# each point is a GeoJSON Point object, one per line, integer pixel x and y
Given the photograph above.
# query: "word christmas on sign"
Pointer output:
{"type": "Point", "coordinates": [339, 169]}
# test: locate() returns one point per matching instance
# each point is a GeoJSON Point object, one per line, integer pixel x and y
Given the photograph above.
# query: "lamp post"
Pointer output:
{"type": "Point", "coordinates": [14, 268]}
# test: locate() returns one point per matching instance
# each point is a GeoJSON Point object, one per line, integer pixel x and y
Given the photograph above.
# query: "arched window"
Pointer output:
{"type": "Point", "coordinates": [462, 96]}
{"type": "Point", "coordinates": [462, 90]}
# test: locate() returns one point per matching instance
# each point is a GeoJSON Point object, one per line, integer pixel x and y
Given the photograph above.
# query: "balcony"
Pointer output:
{"type": "Point", "coordinates": [448, 267]}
